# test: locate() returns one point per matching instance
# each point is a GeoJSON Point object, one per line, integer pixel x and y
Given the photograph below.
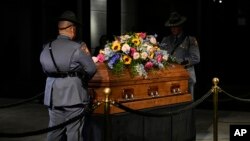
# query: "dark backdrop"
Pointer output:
{"type": "Point", "coordinates": [219, 27]}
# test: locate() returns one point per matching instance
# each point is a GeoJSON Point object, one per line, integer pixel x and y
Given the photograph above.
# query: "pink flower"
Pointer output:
{"type": "Point", "coordinates": [132, 51]}
{"type": "Point", "coordinates": [101, 57]}
{"type": "Point", "coordinates": [136, 55]}
{"type": "Point", "coordinates": [142, 35]}
{"type": "Point", "coordinates": [149, 65]}
{"type": "Point", "coordinates": [159, 58]}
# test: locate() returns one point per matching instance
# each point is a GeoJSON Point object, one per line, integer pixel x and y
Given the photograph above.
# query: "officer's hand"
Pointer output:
{"type": "Point", "coordinates": [185, 62]}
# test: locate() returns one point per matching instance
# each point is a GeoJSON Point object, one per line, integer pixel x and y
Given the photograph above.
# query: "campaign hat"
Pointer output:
{"type": "Point", "coordinates": [69, 16]}
{"type": "Point", "coordinates": [175, 19]}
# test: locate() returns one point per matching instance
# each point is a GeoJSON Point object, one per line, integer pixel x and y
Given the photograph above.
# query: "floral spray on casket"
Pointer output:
{"type": "Point", "coordinates": [137, 52]}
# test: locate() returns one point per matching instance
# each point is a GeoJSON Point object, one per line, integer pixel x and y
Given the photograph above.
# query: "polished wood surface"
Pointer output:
{"type": "Point", "coordinates": [163, 87]}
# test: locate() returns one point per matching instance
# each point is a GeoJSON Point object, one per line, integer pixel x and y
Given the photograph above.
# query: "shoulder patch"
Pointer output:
{"type": "Point", "coordinates": [85, 49]}
{"type": "Point", "coordinates": [194, 41]}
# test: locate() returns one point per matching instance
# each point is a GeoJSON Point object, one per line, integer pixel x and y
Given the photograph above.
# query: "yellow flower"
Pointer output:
{"type": "Point", "coordinates": [137, 34]}
{"type": "Point", "coordinates": [136, 41]}
{"type": "Point", "coordinates": [151, 55]}
{"type": "Point", "coordinates": [156, 48]}
{"type": "Point", "coordinates": [127, 59]}
{"type": "Point", "coordinates": [116, 46]}
{"type": "Point", "coordinates": [101, 51]}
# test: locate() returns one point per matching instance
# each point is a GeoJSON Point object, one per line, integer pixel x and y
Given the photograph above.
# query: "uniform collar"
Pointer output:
{"type": "Point", "coordinates": [179, 35]}
{"type": "Point", "coordinates": [62, 37]}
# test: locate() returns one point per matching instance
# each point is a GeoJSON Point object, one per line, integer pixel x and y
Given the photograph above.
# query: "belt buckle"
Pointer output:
{"type": "Point", "coordinates": [63, 75]}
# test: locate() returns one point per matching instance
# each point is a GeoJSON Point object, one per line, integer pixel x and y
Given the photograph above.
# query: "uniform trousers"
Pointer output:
{"type": "Point", "coordinates": [71, 132]}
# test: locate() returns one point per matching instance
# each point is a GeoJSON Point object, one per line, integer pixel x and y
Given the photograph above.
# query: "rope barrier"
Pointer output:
{"type": "Point", "coordinates": [194, 104]}
{"type": "Point", "coordinates": [21, 102]}
{"type": "Point", "coordinates": [108, 102]}
{"type": "Point", "coordinates": [234, 97]}
{"type": "Point", "coordinates": [42, 131]}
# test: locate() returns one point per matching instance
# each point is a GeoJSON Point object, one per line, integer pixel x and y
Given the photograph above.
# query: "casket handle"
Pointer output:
{"type": "Point", "coordinates": [128, 93]}
{"type": "Point", "coordinates": [175, 88]}
{"type": "Point", "coordinates": [153, 91]}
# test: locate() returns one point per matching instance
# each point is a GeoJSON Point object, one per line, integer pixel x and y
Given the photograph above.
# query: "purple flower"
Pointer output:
{"type": "Point", "coordinates": [113, 60]}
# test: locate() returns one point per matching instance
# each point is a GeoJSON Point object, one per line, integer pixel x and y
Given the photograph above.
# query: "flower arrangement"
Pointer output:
{"type": "Point", "coordinates": [137, 52]}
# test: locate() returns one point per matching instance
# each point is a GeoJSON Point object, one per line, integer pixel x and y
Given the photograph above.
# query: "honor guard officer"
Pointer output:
{"type": "Point", "coordinates": [184, 48]}
{"type": "Point", "coordinates": [68, 66]}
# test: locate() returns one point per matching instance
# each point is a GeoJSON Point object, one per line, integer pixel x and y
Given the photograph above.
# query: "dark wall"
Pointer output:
{"type": "Point", "coordinates": [19, 48]}
{"type": "Point", "coordinates": [222, 42]}
{"type": "Point", "coordinates": [26, 26]}
{"type": "Point", "coordinates": [152, 16]}
{"type": "Point", "coordinates": [219, 28]}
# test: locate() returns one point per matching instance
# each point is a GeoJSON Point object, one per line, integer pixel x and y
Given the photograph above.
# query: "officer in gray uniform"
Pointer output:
{"type": "Point", "coordinates": [182, 47]}
{"type": "Point", "coordinates": [69, 66]}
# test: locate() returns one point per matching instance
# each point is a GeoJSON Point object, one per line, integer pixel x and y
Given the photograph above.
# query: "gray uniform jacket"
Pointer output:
{"type": "Point", "coordinates": [185, 50]}
{"type": "Point", "coordinates": [68, 56]}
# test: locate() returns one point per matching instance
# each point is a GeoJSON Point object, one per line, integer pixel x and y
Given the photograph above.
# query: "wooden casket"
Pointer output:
{"type": "Point", "coordinates": [161, 88]}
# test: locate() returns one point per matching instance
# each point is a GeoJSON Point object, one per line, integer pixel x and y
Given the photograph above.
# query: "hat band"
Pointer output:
{"type": "Point", "coordinates": [65, 27]}
{"type": "Point", "coordinates": [174, 21]}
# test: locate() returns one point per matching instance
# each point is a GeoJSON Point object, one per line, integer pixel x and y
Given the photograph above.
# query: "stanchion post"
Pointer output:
{"type": "Point", "coordinates": [107, 133]}
{"type": "Point", "coordinates": [215, 91]}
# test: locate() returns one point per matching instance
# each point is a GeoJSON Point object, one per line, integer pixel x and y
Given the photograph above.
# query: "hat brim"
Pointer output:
{"type": "Point", "coordinates": [180, 22]}
{"type": "Point", "coordinates": [77, 23]}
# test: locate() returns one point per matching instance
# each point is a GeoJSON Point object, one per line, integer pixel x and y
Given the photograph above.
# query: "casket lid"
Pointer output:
{"type": "Point", "coordinates": [170, 73]}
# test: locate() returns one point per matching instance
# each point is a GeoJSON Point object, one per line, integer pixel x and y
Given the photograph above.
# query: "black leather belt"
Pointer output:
{"type": "Point", "coordinates": [64, 74]}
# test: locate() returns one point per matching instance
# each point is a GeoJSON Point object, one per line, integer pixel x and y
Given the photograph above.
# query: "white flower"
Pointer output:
{"type": "Point", "coordinates": [95, 59]}
{"type": "Point", "coordinates": [152, 39]}
{"type": "Point", "coordinates": [144, 55]}
{"type": "Point", "coordinates": [108, 52]}
{"type": "Point", "coordinates": [136, 55]}
{"type": "Point", "coordinates": [124, 38]}
{"type": "Point", "coordinates": [125, 48]}
{"type": "Point", "coordinates": [140, 70]}
{"type": "Point", "coordinates": [160, 65]}
{"type": "Point", "coordinates": [165, 57]}
{"type": "Point", "coordinates": [149, 48]}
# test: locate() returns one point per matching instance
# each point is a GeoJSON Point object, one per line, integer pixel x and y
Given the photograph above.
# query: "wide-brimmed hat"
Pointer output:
{"type": "Point", "coordinates": [69, 16]}
{"type": "Point", "coordinates": [175, 19]}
